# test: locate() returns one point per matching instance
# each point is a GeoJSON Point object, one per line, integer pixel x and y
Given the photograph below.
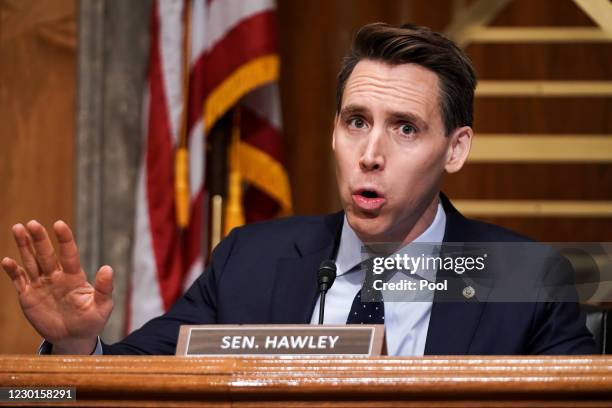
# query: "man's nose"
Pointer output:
{"type": "Point", "coordinates": [373, 157]}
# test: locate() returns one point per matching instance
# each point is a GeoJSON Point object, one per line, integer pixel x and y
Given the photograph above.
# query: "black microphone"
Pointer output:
{"type": "Point", "coordinates": [326, 278]}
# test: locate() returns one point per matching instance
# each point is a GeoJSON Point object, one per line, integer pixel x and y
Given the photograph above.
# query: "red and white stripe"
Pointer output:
{"type": "Point", "coordinates": [165, 260]}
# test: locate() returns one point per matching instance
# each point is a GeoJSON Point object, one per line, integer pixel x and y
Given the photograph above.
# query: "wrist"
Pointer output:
{"type": "Point", "coordinates": [78, 346]}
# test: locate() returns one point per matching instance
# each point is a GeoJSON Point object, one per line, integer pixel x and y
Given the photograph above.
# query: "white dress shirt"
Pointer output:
{"type": "Point", "coordinates": [406, 322]}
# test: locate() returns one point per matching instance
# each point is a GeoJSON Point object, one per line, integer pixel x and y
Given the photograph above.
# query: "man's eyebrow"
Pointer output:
{"type": "Point", "coordinates": [349, 110]}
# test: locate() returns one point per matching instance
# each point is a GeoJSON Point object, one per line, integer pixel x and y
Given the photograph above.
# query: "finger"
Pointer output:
{"type": "Point", "coordinates": [10, 267]}
{"type": "Point", "coordinates": [68, 250]}
{"type": "Point", "coordinates": [45, 254]}
{"type": "Point", "coordinates": [103, 284]}
{"type": "Point", "coordinates": [26, 251]}
{"type": "Point", "coordinates": [16, 273]}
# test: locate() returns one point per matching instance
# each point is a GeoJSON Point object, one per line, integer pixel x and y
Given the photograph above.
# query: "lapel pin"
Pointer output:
{"type": "Point", "coordinates": [468, 292]}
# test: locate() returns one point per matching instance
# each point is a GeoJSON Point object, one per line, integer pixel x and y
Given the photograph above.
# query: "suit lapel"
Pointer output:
{"type": "Point", "coordinates": [295, 290]}
{"type": "Point", "coordinates": [453, 324]}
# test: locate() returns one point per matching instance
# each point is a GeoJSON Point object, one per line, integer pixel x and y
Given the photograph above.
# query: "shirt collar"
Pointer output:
{"type": "Point", "coordinates": [349, 250]}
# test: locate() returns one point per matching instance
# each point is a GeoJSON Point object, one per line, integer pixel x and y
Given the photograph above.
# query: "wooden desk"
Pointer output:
{"type": "Point", "coordinates": [338, 382]}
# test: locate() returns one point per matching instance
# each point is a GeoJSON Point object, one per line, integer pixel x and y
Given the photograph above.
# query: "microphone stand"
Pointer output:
{"type": "Point", "coordinates": [321, 307]}
{"type": "Point", "coordinates": [325, 277]}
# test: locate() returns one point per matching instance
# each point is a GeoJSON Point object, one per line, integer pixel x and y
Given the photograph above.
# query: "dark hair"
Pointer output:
{"type": "Point", "coordinates": [418, 45]}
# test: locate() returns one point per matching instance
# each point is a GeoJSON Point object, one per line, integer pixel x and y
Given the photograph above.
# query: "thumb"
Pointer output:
{"type": "Point", "coordinates": [104, 284]}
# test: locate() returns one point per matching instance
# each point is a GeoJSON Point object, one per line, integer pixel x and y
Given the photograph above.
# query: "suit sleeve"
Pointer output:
{"type": "Point", "coordinates": [197, 306]}
{"type": "Point", "coordinates": [559, 325]}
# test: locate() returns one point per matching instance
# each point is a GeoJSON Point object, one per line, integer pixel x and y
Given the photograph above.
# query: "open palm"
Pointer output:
{"type": "Point", "coordinates": [54, 292]}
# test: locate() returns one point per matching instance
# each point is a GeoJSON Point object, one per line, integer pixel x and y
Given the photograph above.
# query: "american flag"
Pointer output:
{"type": "Point", "coordinates": [207, 57]}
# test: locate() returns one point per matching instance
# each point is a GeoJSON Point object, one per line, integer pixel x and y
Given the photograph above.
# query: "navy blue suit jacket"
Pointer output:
{"type": "Point", "coordinates": [266, 273]}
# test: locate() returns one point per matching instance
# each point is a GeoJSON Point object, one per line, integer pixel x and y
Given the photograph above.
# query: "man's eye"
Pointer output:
{"type": "Point", "coordinates": [357, 123]}
{"type": "Point", "coordinates": [407, 129]}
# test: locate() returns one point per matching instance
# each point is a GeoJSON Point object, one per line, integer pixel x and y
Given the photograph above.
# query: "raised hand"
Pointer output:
{"type": "Point", "coordinates": [54, 292]}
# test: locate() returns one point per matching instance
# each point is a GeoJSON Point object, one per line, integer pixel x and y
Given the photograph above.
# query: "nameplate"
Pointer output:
{"type": "Point", "coordinates": [296, 340]}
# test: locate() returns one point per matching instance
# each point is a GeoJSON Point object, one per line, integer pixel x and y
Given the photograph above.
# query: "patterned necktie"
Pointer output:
{"type": "Point", "coordinates": [371, 311]}
{"type": "Point", "coordinates": [366, 312]}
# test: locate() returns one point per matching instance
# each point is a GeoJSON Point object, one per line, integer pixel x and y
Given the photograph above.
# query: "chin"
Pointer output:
{"type": "Point", "coordinates": [368, 229]}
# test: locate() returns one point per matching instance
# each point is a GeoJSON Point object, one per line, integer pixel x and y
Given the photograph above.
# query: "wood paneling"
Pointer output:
{"type": "Point", "coordinates": [558, 229]}
{"type": "Point", "coordinates": [531, 181]}
{"type": "Point", "coordinates": [37, 86]}
{"type": "Point", "coordinates": [551, 62]}
{"type": "Point", "coordinates": [542, 13]}
{"type": "Point", "coordinates": [309, 62]}
{"type": "Point", "coordinates": [543, 115]}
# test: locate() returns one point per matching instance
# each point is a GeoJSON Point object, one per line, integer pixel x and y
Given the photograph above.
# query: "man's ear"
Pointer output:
{"type": "Point", "coordinates": [458, 148]}
{"type": "Point", "coordinates": [334, 132]}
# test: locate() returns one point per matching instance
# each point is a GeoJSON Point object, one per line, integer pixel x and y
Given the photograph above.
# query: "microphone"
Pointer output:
{"type": "Point", "coordinates": [326, 278]}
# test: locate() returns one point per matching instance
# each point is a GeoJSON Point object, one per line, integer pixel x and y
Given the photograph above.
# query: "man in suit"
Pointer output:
{"type": "Point", "coordinates": [404, 117]}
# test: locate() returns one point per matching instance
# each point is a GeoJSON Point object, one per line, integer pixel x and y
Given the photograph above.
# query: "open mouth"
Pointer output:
{"type": "Point", "coordinates": [369, 194]}
{"type": "Point", "coordinates": [368, 199]}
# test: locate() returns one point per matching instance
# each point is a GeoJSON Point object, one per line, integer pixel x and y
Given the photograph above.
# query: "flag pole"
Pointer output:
{"type": "Point", "coordinates": [217, 147]}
